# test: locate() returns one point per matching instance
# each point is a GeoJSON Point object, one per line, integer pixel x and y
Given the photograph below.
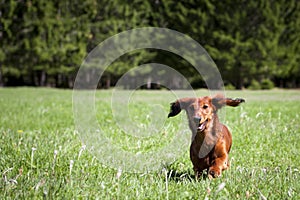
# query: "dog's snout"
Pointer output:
{"type": "Point", "coordinates": [197, 119]}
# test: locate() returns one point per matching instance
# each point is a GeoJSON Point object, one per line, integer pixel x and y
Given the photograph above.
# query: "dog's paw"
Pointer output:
{"type": "Point", "coordinates": [214, 173]}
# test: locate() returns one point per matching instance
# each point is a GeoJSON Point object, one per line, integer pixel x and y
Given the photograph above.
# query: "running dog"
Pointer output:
{"type": "Point", "coordinates": [211, 140]}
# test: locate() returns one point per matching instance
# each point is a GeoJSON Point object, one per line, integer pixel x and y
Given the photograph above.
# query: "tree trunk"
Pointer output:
{"type": "Point", "coordinates": [281, 85]}
{"type": "Point", "coordinates": [43, 78]}
{"type": "Point", "coordinates": [149, 83]}
{"type": "Point", "coordinates": [70, 82]}
{"type": "Point", "coordinates": [1, 78]}
{"type": "Point", "coordinates": [107, 82]}
{"type": "Point", "coordinates": [240, 78]}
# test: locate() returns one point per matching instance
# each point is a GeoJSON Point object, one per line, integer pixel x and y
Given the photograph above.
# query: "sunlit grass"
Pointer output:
{"type": "Point", "coordinates": [42, 156]}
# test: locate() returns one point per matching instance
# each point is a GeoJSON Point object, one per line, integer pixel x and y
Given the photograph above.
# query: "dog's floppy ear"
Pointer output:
{"type": "Point", "coordinates": [176, 106]}
{"type": "Point", "coordinates": [219, 101]}
{"type": "Point", "coordinates": [175, 109]}
{"type": "Point", "coordinates": [234, 102]}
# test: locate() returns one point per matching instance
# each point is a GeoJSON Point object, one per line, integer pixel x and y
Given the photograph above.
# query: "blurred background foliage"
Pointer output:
{"type": "Point", "coordinates": [255, 44]}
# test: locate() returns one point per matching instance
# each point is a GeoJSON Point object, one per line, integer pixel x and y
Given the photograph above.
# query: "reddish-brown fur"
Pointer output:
{"type": "Point", "coordinates": [211, 140]}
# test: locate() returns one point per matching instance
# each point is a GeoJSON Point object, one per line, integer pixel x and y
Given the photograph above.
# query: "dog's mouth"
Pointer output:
{"type": "Point", "coordinates": [202, 126]}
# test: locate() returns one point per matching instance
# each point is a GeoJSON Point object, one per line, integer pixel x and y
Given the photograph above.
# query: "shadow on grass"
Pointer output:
{"type": "Point", "coordinates": [177, 176]}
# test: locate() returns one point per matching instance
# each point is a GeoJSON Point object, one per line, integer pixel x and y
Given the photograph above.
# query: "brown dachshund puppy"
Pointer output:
{"type": "Point", "coordinates": [211, 140]}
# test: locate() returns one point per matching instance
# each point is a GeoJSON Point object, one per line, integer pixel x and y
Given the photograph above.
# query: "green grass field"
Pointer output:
{"type": "Point", "coordinates": [42, 157]}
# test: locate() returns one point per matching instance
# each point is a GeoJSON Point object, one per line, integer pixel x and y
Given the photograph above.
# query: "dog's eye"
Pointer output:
{"type": "Point", "coordinates": [205, 106]}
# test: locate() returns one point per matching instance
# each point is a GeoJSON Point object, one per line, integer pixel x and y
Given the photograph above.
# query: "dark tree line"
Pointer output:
{"type": "Point", "coordinates": [44, 42]}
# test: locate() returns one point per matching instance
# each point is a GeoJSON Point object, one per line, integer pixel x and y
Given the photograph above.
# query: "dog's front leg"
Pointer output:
{"type": "Point", "coordinates": [218, 165]}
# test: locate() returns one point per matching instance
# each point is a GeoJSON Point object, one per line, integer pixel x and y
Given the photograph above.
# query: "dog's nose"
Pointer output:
{"type": "Point", "coordinates": [197, 119]}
